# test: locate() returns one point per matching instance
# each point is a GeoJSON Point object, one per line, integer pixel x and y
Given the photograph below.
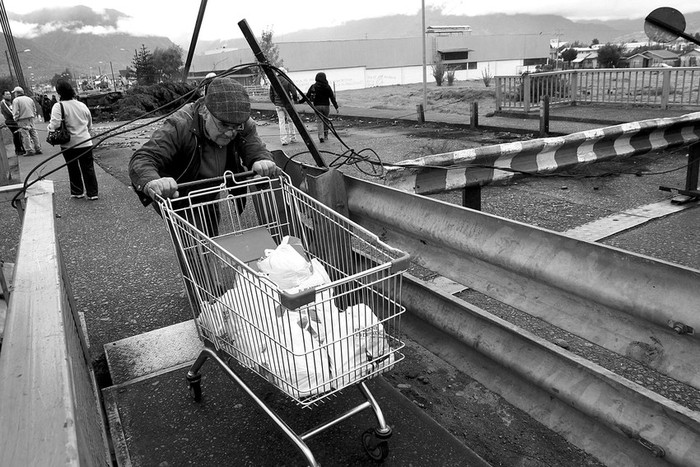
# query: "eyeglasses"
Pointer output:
{"type": "Point", "coordinates": [227, 129]}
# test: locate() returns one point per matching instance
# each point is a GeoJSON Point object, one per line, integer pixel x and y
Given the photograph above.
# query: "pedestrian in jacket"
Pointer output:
{"type": "Point", "coordinates": [287, 130]}
{"type": "Point", "coordinates": [6, 108]}
{"type": "Point", "coordinates": [321, 96]}
{"type": "Point", "coordinates": [78, 151]}
{"type": "Point", "coordinates": [201, 140]}
{"type": "Point", "coordinates": [24, 113]}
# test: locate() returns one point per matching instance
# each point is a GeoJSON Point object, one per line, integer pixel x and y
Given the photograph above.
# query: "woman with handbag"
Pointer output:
{"type": "Point", "coordinates": [78, 150]}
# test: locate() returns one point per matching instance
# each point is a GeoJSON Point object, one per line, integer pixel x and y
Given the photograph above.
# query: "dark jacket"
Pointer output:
{"type": "Point", "coordinates": [320, 93]}
{"type": "Point", "coordinates": [7, 113]}
{"type": "Point", "coordinates": [289, 89]}
{"type": "Point", "coordinates": [175, 150]}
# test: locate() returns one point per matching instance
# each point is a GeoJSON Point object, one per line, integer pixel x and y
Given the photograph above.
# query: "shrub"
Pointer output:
{"type": "Point", "coordinates": [450, 77]}
{"type": "Point", "coordinates": [486, 76]}
{"type": "Point", "coordinates": [140, 100]}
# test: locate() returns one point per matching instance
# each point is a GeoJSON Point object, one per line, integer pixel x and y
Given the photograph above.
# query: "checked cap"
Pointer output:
{"type": "Point", "coordinates": [228, 101]}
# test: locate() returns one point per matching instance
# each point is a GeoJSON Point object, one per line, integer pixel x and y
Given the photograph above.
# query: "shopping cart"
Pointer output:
{"type": "Point", "coordinates": [339, 328]}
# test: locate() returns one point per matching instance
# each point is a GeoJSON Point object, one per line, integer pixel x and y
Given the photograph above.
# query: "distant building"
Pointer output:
{"type": "Point", "coordinates": [356, 64]}
{"type": "Point", "coordinates": [691, 58]}
{"type": "Point", "coordinates": [651, 58]}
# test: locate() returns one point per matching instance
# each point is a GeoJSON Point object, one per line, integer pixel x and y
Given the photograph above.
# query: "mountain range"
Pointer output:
{"type": "Point", "coordinates": [56, 49]}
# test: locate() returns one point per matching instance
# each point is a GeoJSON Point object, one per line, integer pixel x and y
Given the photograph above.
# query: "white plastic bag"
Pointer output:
{"type": "Point", "coordinates": [358, 345]}
{"type": "Point", "coordinates": [285, 265]}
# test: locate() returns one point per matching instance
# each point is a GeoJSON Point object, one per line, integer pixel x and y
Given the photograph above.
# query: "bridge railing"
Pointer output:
{"type": "Point", "coordinates": [49, 407]}
{"type": "Point", "coordinates": [658, 87]}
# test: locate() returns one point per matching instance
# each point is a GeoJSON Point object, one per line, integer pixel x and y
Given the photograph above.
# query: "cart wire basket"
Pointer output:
{"type": "Point", "coordinates": [337, 326]}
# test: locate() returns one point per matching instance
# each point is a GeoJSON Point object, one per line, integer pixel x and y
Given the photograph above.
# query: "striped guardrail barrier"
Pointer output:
{"type": "Point", "coordinates": [49, 408]}
{"type": "Point", "coordinates": [501, 163]}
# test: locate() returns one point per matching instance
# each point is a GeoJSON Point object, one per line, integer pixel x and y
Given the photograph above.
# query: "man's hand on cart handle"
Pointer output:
{"type": "Point", "coordinates": [165, 187]}
{"type": "Point", "coordinates": [265, 168]}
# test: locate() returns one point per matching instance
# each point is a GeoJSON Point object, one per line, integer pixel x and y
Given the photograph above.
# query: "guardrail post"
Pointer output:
{"type": "Point", "coordinates": [421, 113]}
{"type": "Point", "coordinates": [691, 192]}
{"type": "Point", "coordinates": [544, 116]}
{"type": "Point", "coordinates": [665, 89]}
{"type": "Point", "coordinates": [574, 86]}
{"type": "Point", "coordinates": [526, 92]}
{"type": "Point", "coordinates": [471, 197]}
{"type": "Point", "coordinates": [474, 116]}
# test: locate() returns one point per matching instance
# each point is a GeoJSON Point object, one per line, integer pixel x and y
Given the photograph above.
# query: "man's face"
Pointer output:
{"type": "Point", "coordinates": [219, 132]}
{"type": "Point", "coordinates": [7, 96]}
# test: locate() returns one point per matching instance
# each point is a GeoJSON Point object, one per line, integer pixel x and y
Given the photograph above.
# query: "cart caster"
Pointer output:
{"type": "Point", "coordinates": [194, 384]}
{"type": "Point", "coordinates": [377, 451]}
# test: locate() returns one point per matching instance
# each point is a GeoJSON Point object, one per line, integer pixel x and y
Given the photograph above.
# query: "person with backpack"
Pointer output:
{"type": "Point", "coordinates": [321, 96]}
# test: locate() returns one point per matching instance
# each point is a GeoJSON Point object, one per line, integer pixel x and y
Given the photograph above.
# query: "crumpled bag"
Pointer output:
{"type": "Point", "coordinates": [286, 266]}
{"type": "Point", "coordinates": [357, 344]}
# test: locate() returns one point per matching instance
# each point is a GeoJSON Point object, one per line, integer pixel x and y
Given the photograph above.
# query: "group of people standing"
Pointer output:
{"type": "Point", "coordinates": [20, 116]}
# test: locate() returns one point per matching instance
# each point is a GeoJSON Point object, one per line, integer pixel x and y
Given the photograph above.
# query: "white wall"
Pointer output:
{"type": "Point", "coordinates": [360, 77]}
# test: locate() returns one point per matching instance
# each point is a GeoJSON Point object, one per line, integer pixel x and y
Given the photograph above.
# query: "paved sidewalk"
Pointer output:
{"type": "Point", "coordinates": [125, 280]}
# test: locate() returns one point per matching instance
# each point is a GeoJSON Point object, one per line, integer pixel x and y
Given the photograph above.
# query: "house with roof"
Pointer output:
{"type": "Point", "coordinates": [585, 59]}
{"type": "Point", "coordinates": [653, 58]}
{"type": "Point", "coordinates": [357, 64]}
{"type": "Point", "coordinates": [690, 58]}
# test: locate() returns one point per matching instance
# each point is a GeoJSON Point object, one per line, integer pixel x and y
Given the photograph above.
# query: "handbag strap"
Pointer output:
{"type": "Point", "coordinates": [63, 114]}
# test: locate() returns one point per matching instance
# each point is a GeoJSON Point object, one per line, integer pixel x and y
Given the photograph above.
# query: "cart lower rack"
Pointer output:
{"type": "Point", "coordinates": [290, 290]}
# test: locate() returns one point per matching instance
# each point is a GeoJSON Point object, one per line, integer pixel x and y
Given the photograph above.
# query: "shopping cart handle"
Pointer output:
{"type": "Point", "coordinates": [217, 180]}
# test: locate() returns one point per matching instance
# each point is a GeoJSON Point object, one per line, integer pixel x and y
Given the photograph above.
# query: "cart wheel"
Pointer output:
{"type": "Point", "coordinates": [195, 386]}
{"type": "Point", "coordinates": [377, 451]}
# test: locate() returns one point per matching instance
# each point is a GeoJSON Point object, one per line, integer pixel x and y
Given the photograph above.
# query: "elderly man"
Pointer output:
{"type": "Point", "coordinates": [24, 113]}
{"type": "Point", "coordinates": [201, 140]}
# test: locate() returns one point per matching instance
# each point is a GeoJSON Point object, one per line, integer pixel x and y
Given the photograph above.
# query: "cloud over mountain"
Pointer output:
{"type": "Point", "coordinates": [77, 19]}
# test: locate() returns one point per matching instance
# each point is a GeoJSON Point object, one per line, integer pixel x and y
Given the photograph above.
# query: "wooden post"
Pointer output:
{"type": "Point", "coordinates": [544, 116]}
{"type": "Point", "coordinates": [420, 112]}
{"type": "Point", "coordinates": [665, 88]}
{"type": "Point", "coordinates": [526, 92]}
{"type": "Point", "coordinates": [499, 97]}
{"type": "Point", "coordinates": [691, 178]}
{"type": "Point", "coordinates": [574, 86]}
{"type": "Point", "coordinates": [474, 117]}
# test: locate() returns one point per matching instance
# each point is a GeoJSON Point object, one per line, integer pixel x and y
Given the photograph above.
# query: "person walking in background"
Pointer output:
{"type": "Point", "coordinates": [46, 107]}
{"type": "Point", "coordinates": [6, 108]}
{"type": "Point", "coordinates": [78, 151]}
{"type": "Point", "coordinates": [24, 113]}
{"type": "Point", "coordinates": [287, 131]}
{"type": "Point", "coordinates": [321, 95]}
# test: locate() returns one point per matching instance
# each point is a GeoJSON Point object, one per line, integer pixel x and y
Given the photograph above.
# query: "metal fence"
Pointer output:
{"type": "Point", "coordinates": [658, 87]}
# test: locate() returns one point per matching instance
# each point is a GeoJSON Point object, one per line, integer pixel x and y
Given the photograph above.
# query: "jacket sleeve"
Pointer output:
{"type": "Point", "coordinates": [156, 158]}
{"type": "Point", "coordinates": [55, 118]}
{"type": "Point", "coordinates": [332, 96]}
{"type": "Point", "coordinates": [250, 148]}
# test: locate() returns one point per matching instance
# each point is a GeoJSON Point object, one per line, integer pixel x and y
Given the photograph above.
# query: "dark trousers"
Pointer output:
{"type": "Point", "coordinates": [81, 172]}
{"type": "Point", "coordinates": [16, 137]}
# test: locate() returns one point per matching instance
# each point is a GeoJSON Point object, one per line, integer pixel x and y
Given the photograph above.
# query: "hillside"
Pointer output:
{"type": "Point", "coordinates": [55, 51]}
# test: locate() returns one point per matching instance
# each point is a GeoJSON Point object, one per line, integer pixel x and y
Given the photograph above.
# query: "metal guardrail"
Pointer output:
{"type": "Point", "coordinates": [659, 87]}
{"type": "Point", "coordinates": [49, 407]}
{"type": "Point", "coordinates": [620, 301]}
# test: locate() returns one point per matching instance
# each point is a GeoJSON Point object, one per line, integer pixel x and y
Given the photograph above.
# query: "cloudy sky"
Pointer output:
{"type": "Point", "coordinates": [176, 19]}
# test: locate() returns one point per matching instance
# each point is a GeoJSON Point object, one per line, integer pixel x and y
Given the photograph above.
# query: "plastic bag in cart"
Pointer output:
{"type": "Point", "coordinates": [358, 345]}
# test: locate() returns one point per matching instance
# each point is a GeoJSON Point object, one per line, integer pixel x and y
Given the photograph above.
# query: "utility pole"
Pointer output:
{"type": "Point", "coordinates": [425, 65]}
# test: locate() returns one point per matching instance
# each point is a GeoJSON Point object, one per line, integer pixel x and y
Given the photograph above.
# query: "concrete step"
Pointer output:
{"type": "Point", "coordinates": [154, 421]}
